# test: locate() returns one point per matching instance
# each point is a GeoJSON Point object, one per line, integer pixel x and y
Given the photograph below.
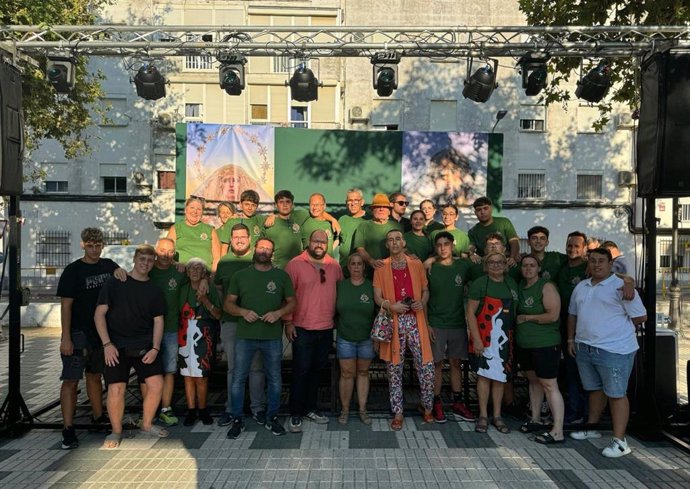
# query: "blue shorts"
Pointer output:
{"type": "Point", "coordinates": [603, 370]}
{"type": "Point", "coordinates": [84, 358]}
{"type": "Point", "coordinates": [169, 350]}
{"type": "Point", "coordinates": [354, 349]}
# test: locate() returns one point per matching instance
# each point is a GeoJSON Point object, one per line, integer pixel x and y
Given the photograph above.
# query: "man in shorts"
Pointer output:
{"type": "Point", "coordinates": [129, 318]}
{"type": "Point", "coordinates": [601, 337]}
{"type": "Point", "coordinates": [80, 348]}
{"type": "Point", "coordinates": [446, 312]}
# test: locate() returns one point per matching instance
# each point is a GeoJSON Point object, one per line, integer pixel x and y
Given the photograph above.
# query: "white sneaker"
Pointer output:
{"type": "Point", "coordinates": [616, 449]}
{"type": "Point", "coordinates": [316, 417]}
{"type": "Point", "coordinates": [584, 435]}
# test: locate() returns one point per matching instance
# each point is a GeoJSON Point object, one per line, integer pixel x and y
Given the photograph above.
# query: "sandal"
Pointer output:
{"type": "Point", "coordinates": [344, 415]}
{"type": "Point", "coordinates": [364, 417]}
{"type": "Point", "coordinates": [112, 441]}
{"type": "Point", "coordinates": [500, 426]}
{"type": "Point", "coordinates": [397, 424]}
{"type": "Point", "coordinates": [482, 424]}
{"type": "Point", "coordinates": [531, 427]}
{"type": "Point", "coordinates": [548, 439]}
{"type": "Point", "coordinates": [155, 432]}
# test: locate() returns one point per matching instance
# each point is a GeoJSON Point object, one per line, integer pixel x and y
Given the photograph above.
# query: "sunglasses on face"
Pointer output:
{"type": "Point", "coordinates": [402, 202]}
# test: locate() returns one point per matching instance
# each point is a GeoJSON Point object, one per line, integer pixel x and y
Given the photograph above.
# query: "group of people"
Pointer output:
{"type": "Point", "coordinates": [449, 296]}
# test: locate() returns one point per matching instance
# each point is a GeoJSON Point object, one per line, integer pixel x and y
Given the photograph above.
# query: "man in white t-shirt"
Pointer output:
{"type": "Point", "coordinates": [601, 337]}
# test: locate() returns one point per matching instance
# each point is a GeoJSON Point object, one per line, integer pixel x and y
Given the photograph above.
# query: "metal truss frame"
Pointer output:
{"type": "Point", "coordinates": [344, 41]}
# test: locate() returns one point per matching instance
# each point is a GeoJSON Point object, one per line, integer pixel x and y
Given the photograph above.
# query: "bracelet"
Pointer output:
{"type": "Point", "coordinates": [154, 348]}
{"type": "Point", "coordinates": [110, 343]}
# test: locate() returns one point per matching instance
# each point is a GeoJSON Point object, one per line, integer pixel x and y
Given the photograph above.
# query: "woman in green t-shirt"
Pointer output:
{"type": "Point", "coordinates": [539, 348]}
{"type": "Point", "coordinates": [199, 315]}
{"type": "Point", "coordinates": [193, 237]}
{"type": "Point", "coordinates": [355, 307]}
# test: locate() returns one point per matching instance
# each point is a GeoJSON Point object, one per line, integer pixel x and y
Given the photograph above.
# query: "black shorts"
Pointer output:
{"type": "Point", "coordinates": [84, 358]}
{"type": "Point", "coordinates": [120, 372]}
{"type": "Point", "coordinates": [544, 361]}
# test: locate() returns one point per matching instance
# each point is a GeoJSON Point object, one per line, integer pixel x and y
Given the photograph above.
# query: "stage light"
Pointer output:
{"type": "Point", "coordinates": [533, 69]}
{"type": "Point", "coordinates": [150, 83]}
{"type": "Point", "coordinates": [60, 73]}
{"type": "Point", "coordinates": [594, 86]}
{"type": "Point", "coordinates": [304, 85]}
{"type": "Point", "coordinates": [385, 73]}
{"type": "Point", "coordinates": [481, 84]}
{"type": "Point", "coordinates": [231, 73]}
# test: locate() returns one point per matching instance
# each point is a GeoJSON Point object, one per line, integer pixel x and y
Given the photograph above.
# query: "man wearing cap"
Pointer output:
{"type": "Point", "coordinates": [370, 238]}
{"type": "Point", "coordinates": [488, 224]}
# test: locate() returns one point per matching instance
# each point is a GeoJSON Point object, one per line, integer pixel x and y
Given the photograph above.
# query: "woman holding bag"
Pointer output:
{"type": "Point", "coordinates": [199, 315]}
{"type": "Point", "coordinates": [355, 307]}
{"type": "Point", "coordinates": [401, 287]}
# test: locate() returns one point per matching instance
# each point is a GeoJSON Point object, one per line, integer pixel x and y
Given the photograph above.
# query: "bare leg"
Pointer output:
{"type": "Point", "coordinates": [68, 400]}
{"type": "Point", "coordinates": [438, 378]}
{"type": "Point", "coordinates": [497, 396]}
{"type": "Point", "coordinates": [201, 384]}
{"type": "Point", "coordinates": [483, 388]}
{"type": "Point", "coordinates": [597, 403]}
{"type": "Point", "coordinates": [190, 392]}
{"type": "Point", "coordinates": [154, 390]}
{"type": "Point", "coordinates": [347, 382]}
{"type": "Point", "coordinates": [536, 395]}
{"type": "Point", "coordinates": [455, 374]}
{"type": "Point", "coordinates": [620, 411]}
{"type": "Point", "coordinates": [363, 382]}
{"type": "Point", "coordinates": [555, 400]}
{"type": "Point", "coordinates": [94, 391]}
{"type": "Point", "coordinates": [168, 388]}
{"type": "Point", "coordinates": [116, 406]}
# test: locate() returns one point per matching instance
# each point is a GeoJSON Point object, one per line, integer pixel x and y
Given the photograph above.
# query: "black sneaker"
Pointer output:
{"type": "Point", "coordinates": [296, 424]}
{"type": "Point", "coordinates": [260, 417]}
{"type": "Point", "coordinates": [225, 420]}
{"type": "Point", "coordinates": [274, 426]}
{"type": "Point", "coordinates": [205, 417]}
{"type": "Point", "coordinates": [191, 418]}
{"type": "Point", "coordinates": [236, 428]}
{"type": "Point", "coordinates": [69, 438]}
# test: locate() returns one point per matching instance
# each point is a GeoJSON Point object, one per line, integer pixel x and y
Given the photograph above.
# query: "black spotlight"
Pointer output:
{"type": "Point", "coordinates": [60, 73]}
{"type": "Point", "coordinates": [595, 85]}
{"type": "Point", "coordinates": [150, 83]}
{"type": "Point", "coordinates": [533, 69]}
{"type": "Point", "coordinates": [231, 73]}
{"type": "Point", "coordinates": [385, 73]}
{"type": "Point", "coordinates": [304, 87]}
{"type": "Point", "coordinates": [481, 84]}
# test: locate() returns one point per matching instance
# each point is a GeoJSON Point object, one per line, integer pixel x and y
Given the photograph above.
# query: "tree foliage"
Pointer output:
{"type": "Point", "coordinates": [48, 115]}
{"type": "Point", "coordinates": [624, 72]}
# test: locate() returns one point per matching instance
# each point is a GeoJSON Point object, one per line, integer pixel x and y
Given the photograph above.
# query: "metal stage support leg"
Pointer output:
{"type": "Point", "coordinates": [14, 414]}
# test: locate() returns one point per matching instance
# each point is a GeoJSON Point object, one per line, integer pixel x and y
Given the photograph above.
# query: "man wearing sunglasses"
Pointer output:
{"type": "Point", "coordinates": [400, 203]}
{"type": "Point", "coordinates": [309, 327]}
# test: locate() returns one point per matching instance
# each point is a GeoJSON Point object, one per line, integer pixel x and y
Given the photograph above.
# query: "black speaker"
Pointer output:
{"type": "Point", "coordinates": [663, 137]}
{"type": "Point", "coordinates": [11, 181]}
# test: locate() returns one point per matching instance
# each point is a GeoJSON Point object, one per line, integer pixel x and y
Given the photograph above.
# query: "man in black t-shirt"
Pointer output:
{"type": "Point", "coordinates": [80, 347]}
{"type": "Point", "coordinates": [129, 320]}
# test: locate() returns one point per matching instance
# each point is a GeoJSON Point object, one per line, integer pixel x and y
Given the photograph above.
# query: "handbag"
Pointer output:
{"type": "Point", "coordinates": [382, 330]}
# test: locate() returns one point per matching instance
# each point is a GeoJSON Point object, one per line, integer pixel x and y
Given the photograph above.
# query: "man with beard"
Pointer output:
{"type": "Point", "coordinates": [239, 258]}
{"type": "Point", "coordinates": [314, 275]}
{"type": "Point", "coordinates": [259, 296]}
{"type": "Point", "coordinates": [354, 200]}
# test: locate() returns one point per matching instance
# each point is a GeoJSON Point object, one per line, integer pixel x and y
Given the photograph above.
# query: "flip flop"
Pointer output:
{"type": "Point", "coordinates": [481, 425]}
{"type": "Point", "coordinates": [112, 441]}
{"type": "Point", "coordinates": [500, 425]}
{"type": "Point", "coordinates": [548, 439]}
{"type": "Point", "coordinates": [531, 427]}
{"type": "Point", "coordinates": [155, 432]}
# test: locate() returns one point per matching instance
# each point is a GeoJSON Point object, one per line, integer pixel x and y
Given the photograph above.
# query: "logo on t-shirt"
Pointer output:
{"type": "Point", "coordinates": [364, 298]}
{"type": "Point", "coordinates": [203, 236]}
{"type": "Point", "coordinates": [529, 302]}
{"type": "Point", "coordinates": [257, 231]}
{"type": "Point", "coordinates": [295, 228]}
{"type": "Point", "coordinates": [574, 281]}
{"type": "Point", "coordinates": [514, 294]}
{"type": "Point", "coordinates": [458, 280]}
{"type": "Point", "coordinates": [172, 284]}
{"type": "Point", "coordinates": [96, 281]}
{"type": "Point", "coordinates": [271, 287]}
{"type": "Point", "coordinates": [546, 275]}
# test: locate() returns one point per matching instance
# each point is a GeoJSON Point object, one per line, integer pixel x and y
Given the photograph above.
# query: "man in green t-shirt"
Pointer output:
{"type": "Point", "coordinates": [354, 200]}
{"type": "Point", "coordinates": [370, 238]}
{"type": "Point", "coordinates": [249, 203]}
{"type": "Point", "coordinates": [285, 228]}
{"type": "Point", "coordinates": [239, 258]}
{"type": "Point", "coordinates": [446, 312]}
{"type": "Point", "coordinates": [488, 224]}
{"type": "Point", "coordinates": [550, 261]}
{"type": "Point", "coordinates": [168, 278]}
{"type": "Point", "coordinates": [317, 220]}
{"type": "Point", "coordinates": [259, 295]}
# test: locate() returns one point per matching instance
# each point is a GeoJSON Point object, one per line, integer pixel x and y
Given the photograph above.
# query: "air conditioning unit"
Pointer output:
{"type": "Point", "coordinates": [627, 179]}
{"type": "Point", "coordinates": [357, 114]}
{"type": "Point", "coordinates": [623, 121]}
